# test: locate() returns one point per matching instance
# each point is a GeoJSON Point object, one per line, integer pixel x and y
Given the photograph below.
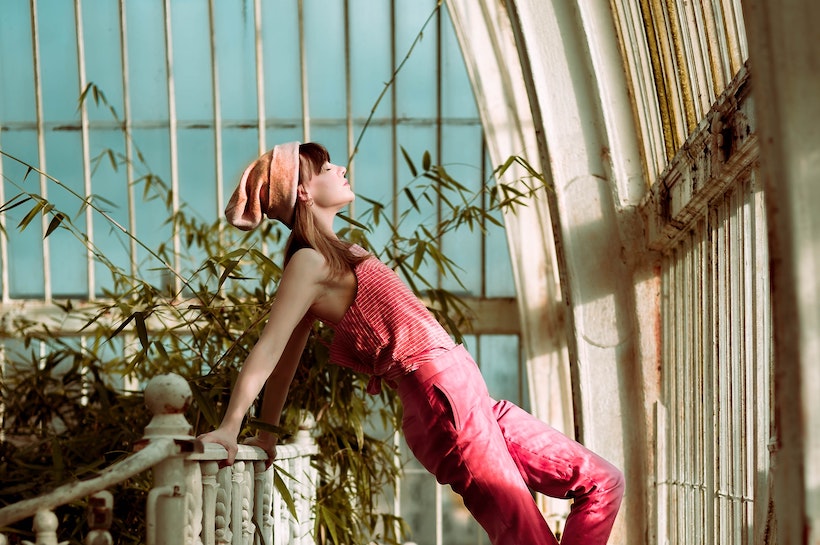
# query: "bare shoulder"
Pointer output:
{"type": "Point", "coordinates": [307, 265]}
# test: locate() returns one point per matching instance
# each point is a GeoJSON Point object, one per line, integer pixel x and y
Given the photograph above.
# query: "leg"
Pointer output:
{"type": "Point", "coordinates": [450, 427]}
{"type": "Point", "coordinates": [557, 466]}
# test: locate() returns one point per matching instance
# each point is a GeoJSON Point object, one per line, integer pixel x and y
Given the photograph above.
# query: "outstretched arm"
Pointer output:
{"type": "Point", "coordinates": [287, 327]}
{"type": "Point", "coordinates": [277, 386]}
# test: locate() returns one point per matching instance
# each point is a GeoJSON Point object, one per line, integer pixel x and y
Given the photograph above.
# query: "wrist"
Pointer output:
{"type": "Point", "coordinates": [230, 428]}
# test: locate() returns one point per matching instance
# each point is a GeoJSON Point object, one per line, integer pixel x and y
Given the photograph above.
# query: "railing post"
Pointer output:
{"type": "Point", "coordinates": [168, 397]}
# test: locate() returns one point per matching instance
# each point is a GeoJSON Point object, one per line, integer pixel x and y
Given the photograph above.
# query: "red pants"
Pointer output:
{"type": "Point", "coordinates": [494, 453]}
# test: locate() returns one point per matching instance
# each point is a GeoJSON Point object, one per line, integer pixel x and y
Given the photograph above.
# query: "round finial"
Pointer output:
{"type": "Point", "coordinates": [168, 394]}
{"type": "Point", "coordinates": [45, 522]}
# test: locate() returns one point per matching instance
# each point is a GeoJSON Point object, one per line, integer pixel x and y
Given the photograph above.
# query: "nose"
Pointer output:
{"type": "Point", "coordinates": [344, 171]}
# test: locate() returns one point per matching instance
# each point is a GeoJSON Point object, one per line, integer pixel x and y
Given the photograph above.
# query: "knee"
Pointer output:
{"type": "Point", "coordinates": [614, 484]}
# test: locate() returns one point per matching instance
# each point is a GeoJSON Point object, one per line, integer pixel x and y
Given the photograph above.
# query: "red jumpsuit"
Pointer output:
{"type": "Point", "coordinates": [490, 452]}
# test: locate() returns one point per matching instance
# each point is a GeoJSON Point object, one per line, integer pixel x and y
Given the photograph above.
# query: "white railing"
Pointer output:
{"type": "Point", "coordinates": [193, 500]}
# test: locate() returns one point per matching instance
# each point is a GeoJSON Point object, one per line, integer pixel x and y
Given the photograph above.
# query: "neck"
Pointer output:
{"type": "Point", "coordinates": [324, 222]}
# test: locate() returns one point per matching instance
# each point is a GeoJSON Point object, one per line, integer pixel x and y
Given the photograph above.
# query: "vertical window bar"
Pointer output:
{"type": "Point", "coordinates": [687, 388]}
{"type": "Point", "coordinates": [687, 46]}
{"type": "Point", "coordinates": [735, 386]}
{"type": "Point", "coordinates": [172, 135]}
{"type": "Point", "coordinates": [740, 29]}
{"type": "Point", "coordinates": [304, 73]}
{"type": "Point", "coordinates": [763, 352]}
{"type": "Point", "coordinates": [751, 333]}
{"type": "Point", "coordinates": [439, 127]}
{"type": "Point", "coordinates": [394, 166]}
{"type": "Point", "coordinates": [220, 201]}
{"type": "Point", "coordinates": [129, 154]}
{"type": "Point", "coordinates": [680, 386]}
{"type": "Point", "coordinates": [41, 145]}
{"type": "Point", "coordinates": [706, 364]}
{"type": "Point", "coordinates": [702, 76]}
{"type": "Point", "coordinates": [4, 249]}
{"type": "Point", "coordinates": [260, 75]}
{"type": "Point", "coordinates": [484, 205]}
{"type": "Point", "coordinates": [670, 74]}
{"type": "Point", "coordinates": [89, 218]}
{"type": "Point", "coordinates": [720, 25]}
{"type": "Point", "coordinates": [712, 34]}
{"type": "Point", "coordinates": [682, 76]}
{"type": "Point", "coordinates": [2, 377]}
{"type": "Point", "coordinates": [351, 178]}
{"type": "Point", "coordinates": [733, 33]}
{"type": "Point", "coordinates": [636, 37]}
{"type": "Point", "coordinates": [724, 318]}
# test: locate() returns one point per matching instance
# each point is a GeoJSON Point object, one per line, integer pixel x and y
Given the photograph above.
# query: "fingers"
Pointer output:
{"type": "Point", "coordinates": [269, 448]}
{"type": "Point", "coordinates": [229, 446]}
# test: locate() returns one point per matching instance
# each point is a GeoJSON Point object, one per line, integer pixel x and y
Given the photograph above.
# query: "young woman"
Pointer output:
{"type": "Point", "coordinates": [491, 452]}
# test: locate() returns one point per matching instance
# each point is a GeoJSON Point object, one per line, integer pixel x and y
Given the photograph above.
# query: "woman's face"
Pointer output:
{"type": "Point", "coordinates": [329, 188]}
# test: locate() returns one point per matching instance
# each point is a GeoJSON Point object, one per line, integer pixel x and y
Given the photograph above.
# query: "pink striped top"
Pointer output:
{"type": "Point", "coordinates": [387, 332]}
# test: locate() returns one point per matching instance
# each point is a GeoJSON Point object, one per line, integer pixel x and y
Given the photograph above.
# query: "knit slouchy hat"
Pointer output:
{"type": "Point", "coordinates": [267, 188]}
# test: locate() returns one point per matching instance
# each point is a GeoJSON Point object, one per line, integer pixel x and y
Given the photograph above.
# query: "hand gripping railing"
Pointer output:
{"type": "Point", "coordinates": [193, 500]}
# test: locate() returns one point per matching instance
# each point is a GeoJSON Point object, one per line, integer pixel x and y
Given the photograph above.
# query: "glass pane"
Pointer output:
{"type": "Point", "coordinates": [192, 60]}
{"type": "Point", "coordinates": [415, 89]}
{"type": "Point", "coordinates": [69, 264]}
{"type": "Point", "coordinates": [58, 60]}
{"type": "Point", "coordinates": [325, 45]}
{"type": "Point", "coordinates": [369, 58]}
{"type": "Point", "coordinates": [283, 80]}
{"type": "Point", "coordinates": [502, 368]}
{"type": "Point", "coordinates": [103, 51]}
{"type": "Point", "coordinates": [146, 61]}
{"type": "Point", "coordinates": [455, 84]}
{"type": "Point", "coordinates": [25, 247]}
{"type": "Point", "coordinates": [16, 70]}
{"type": "Point", "coordinates": [462, 158]}
{"type": "Point", "coordinates": [235, 59]}
{"type": "Point", "coordinates": [113, 186]}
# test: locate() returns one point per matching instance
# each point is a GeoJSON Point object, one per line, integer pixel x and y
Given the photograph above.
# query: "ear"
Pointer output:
{"type": "Point", "coordinates": [302, 193]}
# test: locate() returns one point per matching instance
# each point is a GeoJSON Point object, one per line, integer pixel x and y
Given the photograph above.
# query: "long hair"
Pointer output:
{"type": "Point", "coordinates": [305, 234]}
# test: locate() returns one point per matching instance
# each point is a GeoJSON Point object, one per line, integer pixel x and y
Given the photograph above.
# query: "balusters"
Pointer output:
{"type": "Point", "coordinates": [262, 504]}
{"type": "Point", "coordinates": [45, 529]}
{"type": "Point", "coordinates": [224, 535]}
{"type": "Point", "coordinates": [193, 498]}
{"type": "Point", "coordinates": [247, 482]}
{"type": "Point", "coordinates": [209, 493]}
{"type": "Point", "coordinates": [100, 517]}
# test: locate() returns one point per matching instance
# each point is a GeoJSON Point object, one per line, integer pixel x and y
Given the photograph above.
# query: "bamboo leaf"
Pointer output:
{"type": "Point", "coordinates": [351, 221]}
{"type": "Point", "coordinates": [283, 490]}
{"type": "Point", "coordinates": [38, 206]}
{"type": "Point", "coordinates": [142, 331]}
{"type": "Point", "coordinates": [409, 162]}
{"type": "Point", "coordinates": [412, 199]}
{"type": "Point", "coordinates": [122, 326]}
{"type": "Point", "coordinates": [14, 202]}
{"type": "Point", "coordinates": [55, 222]}
{"type": "Point", "coordinates": [426, 161]}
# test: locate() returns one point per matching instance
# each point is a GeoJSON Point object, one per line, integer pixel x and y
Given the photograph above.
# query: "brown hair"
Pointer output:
{"type": "Point", "coordinates": [304, 233]}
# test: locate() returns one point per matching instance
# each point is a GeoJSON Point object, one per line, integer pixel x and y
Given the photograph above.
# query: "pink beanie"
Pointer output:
{"type": "Point", "coordinates": [267, 187]}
